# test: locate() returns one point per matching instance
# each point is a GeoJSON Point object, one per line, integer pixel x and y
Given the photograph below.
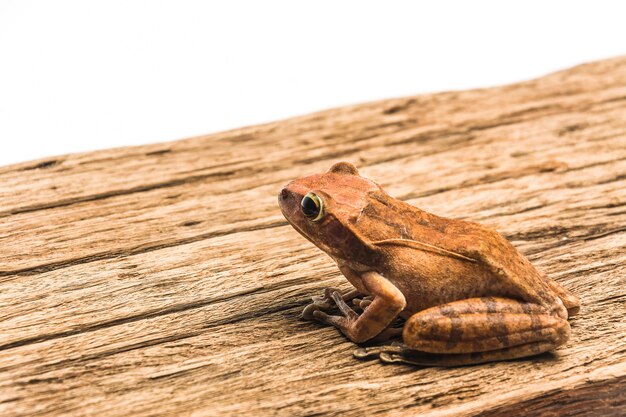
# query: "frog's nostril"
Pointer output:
{"type": "Point", "coordinates": [284, 194]}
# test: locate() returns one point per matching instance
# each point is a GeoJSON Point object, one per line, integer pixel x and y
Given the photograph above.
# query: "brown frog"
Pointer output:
{"type": "Point", "coordinates": [468, 296]}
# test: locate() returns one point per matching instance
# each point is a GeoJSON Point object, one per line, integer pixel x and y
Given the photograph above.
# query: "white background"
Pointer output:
{"type": "Point", "coordinates": [84, 75]}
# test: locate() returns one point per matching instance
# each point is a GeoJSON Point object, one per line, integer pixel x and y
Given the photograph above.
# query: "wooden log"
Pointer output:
{"type": "Point", "coordinates": [162, 279]}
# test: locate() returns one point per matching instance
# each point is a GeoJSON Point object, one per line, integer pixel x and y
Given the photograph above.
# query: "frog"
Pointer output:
{"type": "Point", "coordinates": [462, 293]}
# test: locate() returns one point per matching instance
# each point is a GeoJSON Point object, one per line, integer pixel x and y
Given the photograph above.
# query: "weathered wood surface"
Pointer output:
{"type": "Point", "coordinates": [163, 279]}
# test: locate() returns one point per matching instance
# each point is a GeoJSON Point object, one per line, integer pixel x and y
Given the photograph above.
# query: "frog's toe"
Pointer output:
{"type": "Point", "coordinates": [343, 307]}
{"type": "Point", "coordinates": [391, 357]}
{"type": "Point", "coordinates": [307, 313]}
{"type": "Point", "coordinates": [321, 302]}
{"type": "Point", "coordinates": [319, 315]}
{"type": "Point", "coordinates": [318, 299]}
{"type": "Point", "coordinates": [365, 353]}
{"type": "Point", "coordinates": [337, 321]}
{"type": "Point", "coordinates": [361, 303]}
{"type": "Point", "coordinates": [378, 351]}
{"type": "Point", "coordinates": [328, 292]}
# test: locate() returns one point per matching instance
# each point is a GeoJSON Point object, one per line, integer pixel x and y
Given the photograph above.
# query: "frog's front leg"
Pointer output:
{"type": "Point", "coordinates": [386, 304]}
{"type": "Point", "coordinates": [474, 331]}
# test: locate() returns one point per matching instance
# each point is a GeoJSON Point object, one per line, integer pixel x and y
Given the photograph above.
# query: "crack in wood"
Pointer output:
{"type": "Point", "coordinates": [124, 320]}
{"type": "Point", "coordinates": [39, 269]}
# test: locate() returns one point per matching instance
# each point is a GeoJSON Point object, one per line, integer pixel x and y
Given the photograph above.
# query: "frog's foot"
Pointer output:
{"type": "Point", "coordinates": [350, 315]}
{"type": "Point", "coordinates": [325, 302]}
{"type": "Point", "coordinates": [387, 304]}
{"type": "Point", "coordinates": [362, 303]}
{"type": "Point", "coordinates": [337, 321]}
{"type": "Point", "coordinates": [397, 352]}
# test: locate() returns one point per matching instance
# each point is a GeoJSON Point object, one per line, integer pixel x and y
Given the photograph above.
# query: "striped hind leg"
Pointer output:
{"type": "Point", "coordinates": [474, 331]}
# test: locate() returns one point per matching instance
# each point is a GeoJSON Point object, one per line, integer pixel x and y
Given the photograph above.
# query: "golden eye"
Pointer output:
{"type": "Point", "coordinates": [312, 207]}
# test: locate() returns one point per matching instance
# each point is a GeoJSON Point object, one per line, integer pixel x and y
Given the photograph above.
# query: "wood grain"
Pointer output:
{"type": "Point", "coordinates": [163, 280]}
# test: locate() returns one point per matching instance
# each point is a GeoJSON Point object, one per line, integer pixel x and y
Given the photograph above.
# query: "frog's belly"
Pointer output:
{"type": "Point", "coordinates": [434, 280]}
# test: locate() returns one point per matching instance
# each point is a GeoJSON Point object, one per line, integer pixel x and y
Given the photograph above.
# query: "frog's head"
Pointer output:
{"type": "Point", "coordinates": [325, 208]}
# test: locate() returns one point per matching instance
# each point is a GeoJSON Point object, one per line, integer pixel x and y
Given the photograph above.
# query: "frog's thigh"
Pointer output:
{"type": "Point", "coordinates": [485, 324]}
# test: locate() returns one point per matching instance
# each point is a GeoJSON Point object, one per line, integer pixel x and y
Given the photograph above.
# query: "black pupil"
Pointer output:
{"type": "Point", "coordinates": [310, 207]}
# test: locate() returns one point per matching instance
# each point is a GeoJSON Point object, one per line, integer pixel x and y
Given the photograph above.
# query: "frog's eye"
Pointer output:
{"type": "Point", "coordinates": [312, 207]}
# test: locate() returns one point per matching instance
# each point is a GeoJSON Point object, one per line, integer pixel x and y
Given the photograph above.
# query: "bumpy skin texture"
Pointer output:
{"type": "Point", "coordinates": [468, 295]}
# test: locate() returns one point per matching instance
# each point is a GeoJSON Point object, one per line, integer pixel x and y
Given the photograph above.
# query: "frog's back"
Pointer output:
{"type": "Point", "coordinates": [475, 260]}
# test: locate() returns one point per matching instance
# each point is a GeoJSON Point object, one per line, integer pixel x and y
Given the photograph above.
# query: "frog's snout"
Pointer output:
{"type": "Point", "coordinates": [290, 196]}
{"type": "Point", "coordinates": [285, 200]}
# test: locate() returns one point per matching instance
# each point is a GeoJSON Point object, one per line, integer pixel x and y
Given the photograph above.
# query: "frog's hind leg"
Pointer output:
{"type": "Point", "coordinates": [485, 329]}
